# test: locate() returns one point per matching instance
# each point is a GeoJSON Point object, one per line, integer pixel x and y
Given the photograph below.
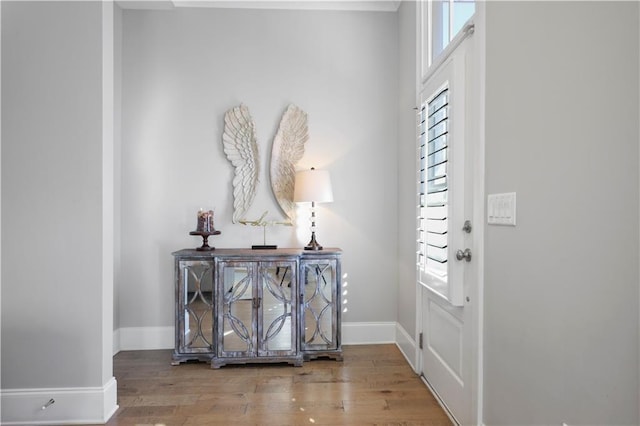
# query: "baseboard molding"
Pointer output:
{"type": "Point", "coordinates": [368, 333]}
{"type": "Point", "coordinates": [149, 338]}
{"type": "Point", "coordinates": [144, 338]}
{"type": "Point", "coordinates": [407, 346]}
{"type": "Point", "coordinates": [90, 405]}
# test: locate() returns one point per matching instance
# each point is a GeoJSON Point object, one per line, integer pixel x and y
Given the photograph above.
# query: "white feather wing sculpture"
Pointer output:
{"type": "Point", "coordinates": [241, 148]}
{"type": "Point", "coordinates": [288, 149]}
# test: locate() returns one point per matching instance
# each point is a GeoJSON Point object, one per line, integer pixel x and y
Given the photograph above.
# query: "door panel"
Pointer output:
{"type": "Point", "coordinates": [238, 334]}
{"type": "Point", "coordinates": [319, 305]}
{"type": "Point", "coordinates": [277, 330]}
{"type": "Point", "coordinates": [196, 321]}
{"type": "Point", "coordinates": [444, 338]}
{"type": "Point", "coordinates": [256, 309]}
{"type": "Point", "coordinates": [445, 318]}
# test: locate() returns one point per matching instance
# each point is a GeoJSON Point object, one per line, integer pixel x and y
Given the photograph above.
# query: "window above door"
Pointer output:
{"type": "Point", "coordinates": [440, 22]}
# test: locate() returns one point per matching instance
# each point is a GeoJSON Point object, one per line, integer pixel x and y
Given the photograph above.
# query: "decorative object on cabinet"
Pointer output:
{"type": "Point", "coordinates": [241, 148]}
{"type": "Point", "coordinates": [287, 150]}
{"type": "Point", "coordinates": [205, 221]}
{"type": "Point", "coordinates": [314, 186]}
{"type": "Point", "coordinates": [264, 223]}
{"type": "Point", "coordinates": [237, 306]}
{"type": "Point", "coordinates": [205, 229]}
{"type": "Point", "coordinates": [205, 239]}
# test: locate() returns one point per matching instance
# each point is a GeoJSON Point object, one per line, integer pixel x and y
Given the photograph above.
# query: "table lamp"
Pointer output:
{"type": "Point", "coordinates": [313, 186]}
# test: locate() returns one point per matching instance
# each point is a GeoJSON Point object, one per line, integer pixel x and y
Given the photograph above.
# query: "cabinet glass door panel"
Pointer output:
{"type": "Point", "coordinates": [238, 333]}
{"type": "Point", "coordinates": [319, 305]}
{"type": "Point", "coordinates": [196, 290]}
{"type": "Point", "coordinates": [277, 294]}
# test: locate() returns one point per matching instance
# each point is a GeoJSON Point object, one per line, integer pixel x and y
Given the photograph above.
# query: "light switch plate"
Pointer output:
{"type": "Point", "coordinates": [501, 209]}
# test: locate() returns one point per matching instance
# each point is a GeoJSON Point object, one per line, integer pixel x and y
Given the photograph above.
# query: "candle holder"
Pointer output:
{"type": "Point", "coordinates": [205, 229]}
{"type": "Point", "coordinates": [205, 237]}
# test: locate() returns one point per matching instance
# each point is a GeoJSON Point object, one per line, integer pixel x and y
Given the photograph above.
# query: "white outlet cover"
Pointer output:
{"type": "Point", "coordinates": [501, 209]}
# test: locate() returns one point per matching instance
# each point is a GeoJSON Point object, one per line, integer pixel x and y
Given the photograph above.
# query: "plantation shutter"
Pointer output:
{"type": "Point", "coordinates": [434, 188]}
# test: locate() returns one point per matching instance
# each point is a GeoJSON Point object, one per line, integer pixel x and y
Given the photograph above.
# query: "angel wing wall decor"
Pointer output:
{"type": "Point", "coordinates": [287, 150]}
{"type": "Point", "coordinates": [241, 148]}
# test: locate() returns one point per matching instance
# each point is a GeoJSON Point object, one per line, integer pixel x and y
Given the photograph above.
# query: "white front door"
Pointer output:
{"type": "Point", "coordinates": [447, 273]}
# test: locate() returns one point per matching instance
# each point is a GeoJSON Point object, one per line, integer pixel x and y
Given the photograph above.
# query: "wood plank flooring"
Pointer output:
{"type": "Point", "coordinates": [374, 385]}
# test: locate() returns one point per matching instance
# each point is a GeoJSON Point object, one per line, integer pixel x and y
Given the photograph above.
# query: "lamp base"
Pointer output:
{"type": "Point", "coordinates": [313, 244]}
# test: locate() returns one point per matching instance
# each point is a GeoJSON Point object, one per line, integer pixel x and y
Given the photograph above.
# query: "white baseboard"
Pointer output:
{"type": "Point", "coordinates": [407, 346]}
{"type": "Point", "coordinates": [148, 338]}
{"type": "Point", "coordinates": [144, 338]}
{"type": "Point", "coordinates": [90, 405]}
{"type": "Point", "coordinates": [368, 333]}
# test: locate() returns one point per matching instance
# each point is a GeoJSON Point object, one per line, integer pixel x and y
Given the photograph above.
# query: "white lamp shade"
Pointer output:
{"type": "Point", "coordinates": [313, 185]}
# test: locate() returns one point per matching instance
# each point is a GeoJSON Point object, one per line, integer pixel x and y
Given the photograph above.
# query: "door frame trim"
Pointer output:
{"type": "Point", "coordinates": [479, 209]}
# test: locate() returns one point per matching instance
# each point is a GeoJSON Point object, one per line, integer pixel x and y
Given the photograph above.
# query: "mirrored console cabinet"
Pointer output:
{"type": "Point", "coordinates": [248, 306]}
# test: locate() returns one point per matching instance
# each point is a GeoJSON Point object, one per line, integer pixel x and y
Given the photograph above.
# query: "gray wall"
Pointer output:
{"type": "Point", "coordinates": [561, 288]}
{"type": "Point", "coordinates": [406, 167]}
{"type": "Point", "coordinates": [183, 68]}
{"type": "Point", "coordinates": [52, 195]}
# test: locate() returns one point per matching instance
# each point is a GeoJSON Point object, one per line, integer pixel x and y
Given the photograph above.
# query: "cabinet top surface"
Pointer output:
{"type": "Point", "coordinates": [246, 252]}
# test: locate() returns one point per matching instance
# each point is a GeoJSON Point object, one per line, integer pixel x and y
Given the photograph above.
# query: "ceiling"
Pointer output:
{"type": "Point", "coordinates": [355, 5]}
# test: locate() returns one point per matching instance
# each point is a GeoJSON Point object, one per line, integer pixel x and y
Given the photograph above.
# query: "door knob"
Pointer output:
{"type": "Point", "coordinates": [466, 255]}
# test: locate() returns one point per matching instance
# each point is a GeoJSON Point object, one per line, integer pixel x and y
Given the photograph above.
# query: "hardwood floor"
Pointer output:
{"type": "Point", "coordinates": [374, 385]}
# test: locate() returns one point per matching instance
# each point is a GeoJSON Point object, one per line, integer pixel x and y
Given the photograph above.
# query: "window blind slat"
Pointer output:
{"type": "Point", "coordinates": [436, 226]}
{"type": "Point", "coordinates": [436, 253]}
{"type": "Point", "coordinates": [438, 185]}
{"type": "Point", "coordinates": [441, 99]}
{"type": "Point", "coordinates": [435, 239]}
{"type": "Point", "coordinates": [437, 199]}
{"type": "Point", "coordinates": [436, 171]}
{"type": "Point", "coordinates": [436, 213]}
{"type": "Point", "coordinates": [438, 117]}
{"type": "Point", "coordinates": [436, 144]}
{"type": "Point", "coordinates": [437, 130]}
{"type": "Point", "coordinates": [436, 158]}
{"type": "Point", "coordinates": [436, 267]}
